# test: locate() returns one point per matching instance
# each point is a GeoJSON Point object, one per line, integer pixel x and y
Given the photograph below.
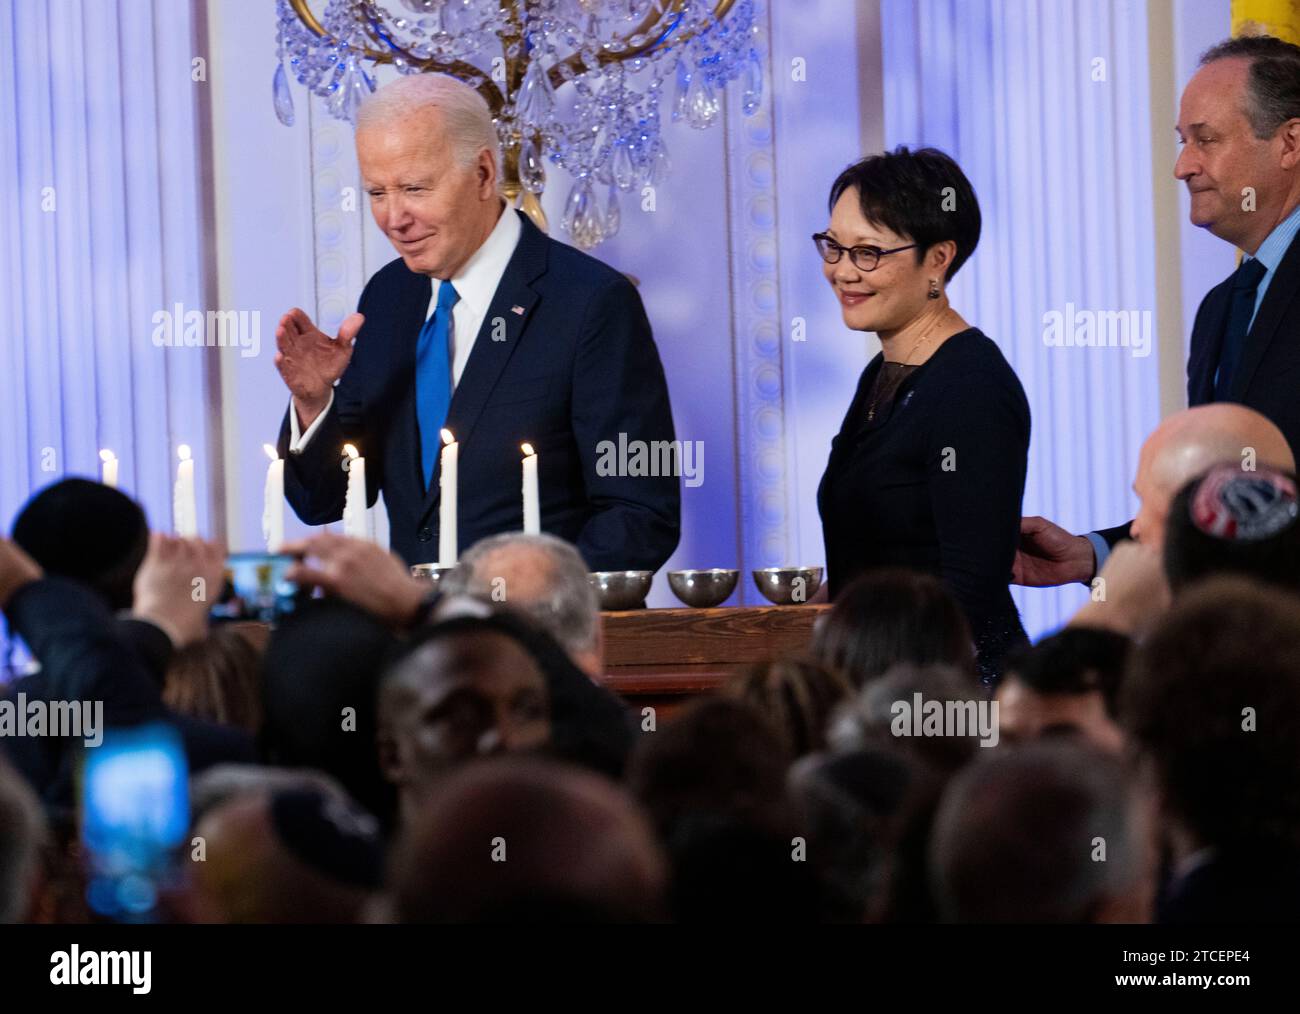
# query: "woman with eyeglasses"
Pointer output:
{"type": "Point", "coordinates": [928, 469]}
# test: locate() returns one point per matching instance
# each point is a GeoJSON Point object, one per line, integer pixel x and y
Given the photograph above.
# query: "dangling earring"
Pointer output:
{"type": "Point", "coordinates": [934, 288]}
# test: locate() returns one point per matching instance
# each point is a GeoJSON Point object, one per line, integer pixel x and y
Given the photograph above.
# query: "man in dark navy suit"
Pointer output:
{"type": "Point", "coordinates": [1239, 123]}
{"type": "Point", "coordinates": [491, 330]}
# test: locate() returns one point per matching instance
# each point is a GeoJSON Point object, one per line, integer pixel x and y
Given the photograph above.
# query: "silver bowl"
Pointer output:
{"type": "Point", "coordinates": [703, 589]}
{"type": "Point", "coordinates": [430, 572]}
{"type": "Point", "coordinates": [779, 584]}
{"type": "Point", "coordinates": [621, 589]}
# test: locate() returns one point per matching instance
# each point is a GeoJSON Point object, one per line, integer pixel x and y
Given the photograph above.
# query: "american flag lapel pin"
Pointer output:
{"type": "Point", "coordinates": [518, 310]}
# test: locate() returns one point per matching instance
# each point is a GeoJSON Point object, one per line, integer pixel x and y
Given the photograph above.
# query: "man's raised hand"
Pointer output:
{"type": "Point", "coordinates": [310, 361]}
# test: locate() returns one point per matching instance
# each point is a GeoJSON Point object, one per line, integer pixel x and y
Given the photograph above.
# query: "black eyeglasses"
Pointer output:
{"type": "Point", "coordinates": [865, 258]}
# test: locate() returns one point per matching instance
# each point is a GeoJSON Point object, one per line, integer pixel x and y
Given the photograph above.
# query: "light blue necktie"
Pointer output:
{"type": "Point", "coordinates": [433, 378]}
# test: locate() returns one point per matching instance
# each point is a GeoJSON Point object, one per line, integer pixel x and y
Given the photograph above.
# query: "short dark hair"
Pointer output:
{"type": "Point", "coordinates": [1273, 87]}
{"type": "Point", "coordinates": [906, 191]}
{"type": "Point", "coordinates": [1010, 839]}
{"type": "Point", "coordinates": [85, 530]}
{"type": "Point", "coordinates": [889, 616]}
{"type": "Point", "coordinates": [1207, 532]}
{"type": "Point", "coordinates": [1076, 660]}
{"type": "Point", "coordinates": [1227, 653]}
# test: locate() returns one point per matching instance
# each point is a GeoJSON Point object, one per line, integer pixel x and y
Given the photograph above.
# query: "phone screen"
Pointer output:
{"type": "Point", "coordinates": [134, 817]}
{"type": "Point", "coordinates": [255, 588]}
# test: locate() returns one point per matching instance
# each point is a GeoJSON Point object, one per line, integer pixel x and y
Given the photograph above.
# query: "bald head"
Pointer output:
{"type": "Point", "coordinates": [294, 855]}
{"type": "Point", "coordinates": [514, 839]}
{"type": "Point", "coordinates": [1189, 442]}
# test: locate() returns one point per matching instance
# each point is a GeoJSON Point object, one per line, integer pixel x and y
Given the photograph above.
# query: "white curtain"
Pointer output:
{"type": "Point", "coordinates": [1045, 104]}
{"type": "Point", "coordinates": [101, 227]}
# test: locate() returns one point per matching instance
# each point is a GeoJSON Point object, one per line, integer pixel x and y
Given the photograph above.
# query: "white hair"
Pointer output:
{"type": "Point", "coordinates": [466, 118]}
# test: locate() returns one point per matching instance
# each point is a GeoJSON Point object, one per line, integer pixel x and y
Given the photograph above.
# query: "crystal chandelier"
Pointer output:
{"type": "Point", "coordinates": [617, 56]}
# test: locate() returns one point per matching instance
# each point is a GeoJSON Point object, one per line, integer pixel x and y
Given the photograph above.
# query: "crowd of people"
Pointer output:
{"type": "Point", "coordinates": [392, 754]}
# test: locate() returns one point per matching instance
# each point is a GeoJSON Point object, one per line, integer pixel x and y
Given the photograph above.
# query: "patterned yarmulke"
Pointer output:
{"type": "Point", "coordinates": [1236, 505]}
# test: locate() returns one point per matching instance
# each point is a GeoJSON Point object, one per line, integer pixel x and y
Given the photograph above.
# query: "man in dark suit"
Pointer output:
{"type": "Point", "coordinates": [492, 330]}
{"type": "Point", "coordinates": [1239, 123]}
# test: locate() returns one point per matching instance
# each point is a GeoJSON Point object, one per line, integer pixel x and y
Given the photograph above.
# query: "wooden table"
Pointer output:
{"type": "Point", "coordinates": [661, 657]}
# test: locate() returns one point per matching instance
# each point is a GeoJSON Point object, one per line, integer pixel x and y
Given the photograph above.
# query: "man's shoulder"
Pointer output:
{"type": "Point", "coordinates": [569, 267]}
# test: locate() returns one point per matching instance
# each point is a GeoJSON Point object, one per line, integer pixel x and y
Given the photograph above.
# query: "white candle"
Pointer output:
{"type": "Point", "coordinates": [273, 502]}
{"type": "Point", "coordinates": [532, 512]}
{"type": "Point", "coordinates": [447, 549]}
{"type": "Point", "coordinates": [356, 520]}
{"type": "Point", "coordinates": [108, 470]}
{"type": "Point", "coordinates": [185, 514]}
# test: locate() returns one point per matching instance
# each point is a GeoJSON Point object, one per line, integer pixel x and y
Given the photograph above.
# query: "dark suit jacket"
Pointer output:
{"type": "Point", "coordinates": [85, 657]}
{"type": "Point", "coordinates": [1268, 377]}
{"type": "Point", "coordinates": [577, 366]}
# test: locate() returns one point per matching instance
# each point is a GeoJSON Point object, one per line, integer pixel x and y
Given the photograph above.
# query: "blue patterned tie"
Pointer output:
{"type": "Point", "coordinates": [1245, 284]}
{"type": "Point", "coordinates": [433, 378]}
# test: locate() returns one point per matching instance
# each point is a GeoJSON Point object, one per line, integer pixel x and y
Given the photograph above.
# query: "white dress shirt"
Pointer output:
{"type": "Point", "coordinates": [476, 283]}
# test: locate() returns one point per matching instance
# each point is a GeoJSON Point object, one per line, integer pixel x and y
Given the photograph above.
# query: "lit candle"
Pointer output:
{"type": "Point", "coordinates": [185, 514]}
{"type": "Point", "coordinates": [273, 502]}
{"type": "Point", "coordinates": [532, 513]}
{"type": "Point", "coordinates": [108, 470]}
{"type": "Point", "coordinates": [447, 507]}
{"type": "Point", "coordinates": [356, 520]}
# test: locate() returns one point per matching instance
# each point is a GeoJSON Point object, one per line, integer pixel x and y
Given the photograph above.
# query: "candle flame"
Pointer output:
{"type": "Point", "coordinates": [270, 452]}
{"type": "Point", "coordinates": [527, 449]}
{"type": "Point", "coordinates": [350, 451]}
{"type": "Point", "coordinates": [107, 455]}
{"type": "Point", "coordinates": [447, 438]}
{"type": "Point", "coordinates": [183, 451]}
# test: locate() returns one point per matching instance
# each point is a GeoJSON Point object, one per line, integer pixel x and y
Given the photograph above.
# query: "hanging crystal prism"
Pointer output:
{"type": "Point", "coordinates": [702, 105]}
{"type": "Point", "coordinates": [282, 96]}
{"type": "Point", "coordinates": [532, 174]}
{"type": "Point", "coordinates": [622, 170]}
{"type": "Point", "coordinates": [612, 217]}
{"type": "Point", "coordinates": [353, 86]}
{"type": "Point", "coordinates": [683, 89]}
{"type": "Point", "coordinates": [536, 99]}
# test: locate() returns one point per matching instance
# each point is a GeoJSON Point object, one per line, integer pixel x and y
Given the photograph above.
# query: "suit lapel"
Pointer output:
{"type": "Point", "coordinates": [1281, 293]}
{"type": "Point", "coordinates": [507, 317]}
{"type": "Point", "coordinates": [1207, 342]}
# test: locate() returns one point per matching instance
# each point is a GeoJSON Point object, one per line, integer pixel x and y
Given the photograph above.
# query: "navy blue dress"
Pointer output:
{"type": "Point", "coordinates": [932, 480]}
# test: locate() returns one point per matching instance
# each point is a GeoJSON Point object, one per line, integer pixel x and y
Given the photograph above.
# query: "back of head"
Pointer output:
{"type": "Point", "coordinates": [22, 838]}
{"type": "Point", "coordinates": [217, 679]}
{"type": "Point", "coordinates": [890, 616]}
{"type": "Point", "coordinates": [289, 855]}
{"type": "Point", "coordinates": [85, 530]}
{"type": "Point", "coordinates": [1018, 833]}
{"type": "Point", "coordinates": [1073, 661]}
{"type": "Point", "coordinates": [1232, 522]}
{"type": "Point", "coordinates": [527, 840]}
{"type": "Point", "coordinates": [871, 720]}
{"type": "Point", "coordinates": [541, 576]}
{"type": "Point", "coordinates": [1212, 698]}
{"type": "Point", "coordinates": [320, 676]}
{"type": "Point", "coordinates": [797, 695]}
{"type": "Point", "coordinates": [715, 757]}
